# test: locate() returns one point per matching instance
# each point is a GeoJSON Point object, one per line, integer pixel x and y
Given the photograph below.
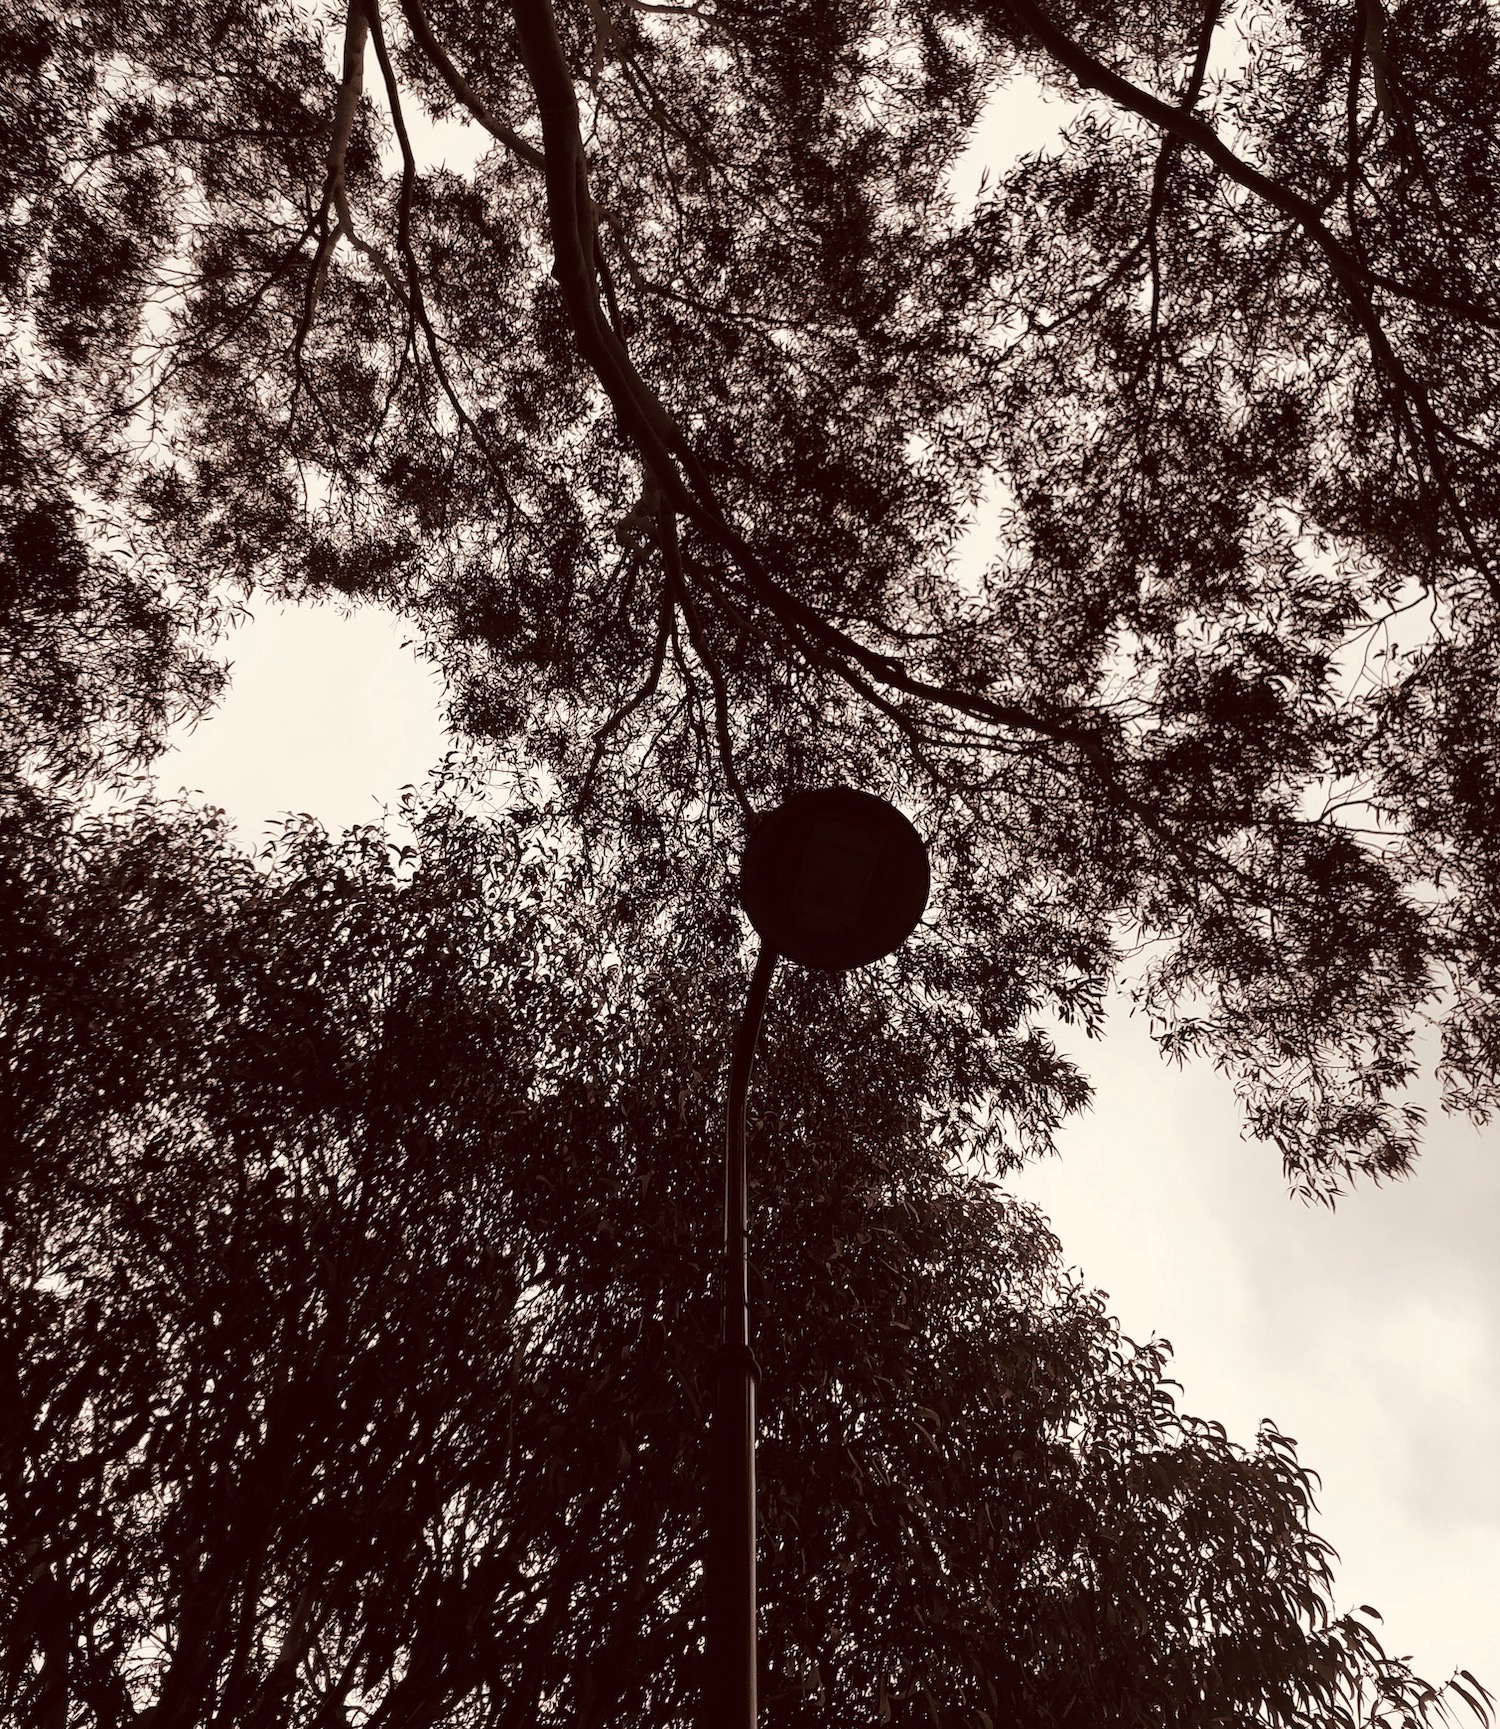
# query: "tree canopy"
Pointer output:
{"type": "Point", "coordinates": [1132, 524]}
{"type": "Point", "coordinates": [357, 1238]}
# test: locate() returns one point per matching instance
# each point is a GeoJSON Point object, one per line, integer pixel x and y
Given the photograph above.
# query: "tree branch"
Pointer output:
{"type": "Point", "coordinates": [1413, 408]}
{"type": "Point", "coordinates": [672, 554]}
{"type": "Point", "coordinates": [411, 290]}
{"type": "Point", "coordinates": [1170, 145]}
{"type": "Point", "coordinates": [497, 127]}
{"type": "Point", "coordinates": [628, 708]}
{"type": "Point", "coordinates": [658, 437]}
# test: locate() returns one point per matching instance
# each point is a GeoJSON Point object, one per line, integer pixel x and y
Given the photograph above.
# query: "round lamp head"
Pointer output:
{"type": "Point", "coordinates": [834, 879]}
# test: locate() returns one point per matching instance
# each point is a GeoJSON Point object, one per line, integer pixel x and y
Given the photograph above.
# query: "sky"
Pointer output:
{"type": "Point", "coordinates": [1370, 1333]}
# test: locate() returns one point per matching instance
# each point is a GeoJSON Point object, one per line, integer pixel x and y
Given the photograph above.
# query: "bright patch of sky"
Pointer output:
{"type": "Point", "coordinates": [450, 141]}
{"type": "Point", "coordinates": [1020, 119]}
{"type": "Point", "coordinates": [327, 712]}
{"type": "Point", "coordinates": [1370, 1333]}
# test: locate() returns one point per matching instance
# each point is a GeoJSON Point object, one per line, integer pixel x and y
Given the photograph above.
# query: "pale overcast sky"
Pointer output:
{"type": "Point", "coordinates": [1371, 1334]}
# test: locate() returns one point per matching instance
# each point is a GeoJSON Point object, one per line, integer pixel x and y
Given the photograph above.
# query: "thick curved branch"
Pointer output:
{"type": "Point", "coordinates": [661, 442]}
{"type": "Point", "coordinates": [497, 127]}
{"type": "Point", "coordinates": [335, 189]}
{"type": "Point", "coordinates": [1413, 407]}
{"type": "Point", "coordinates": [335, 196]}
{"type": "Point", "coordinates": [351, 88]}
{"type": "Point", "coordinates": [1095, 75]}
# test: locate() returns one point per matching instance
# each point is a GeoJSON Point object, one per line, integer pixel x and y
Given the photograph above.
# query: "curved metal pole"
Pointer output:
{"type": "Point", "coordinates": [730, 1641]}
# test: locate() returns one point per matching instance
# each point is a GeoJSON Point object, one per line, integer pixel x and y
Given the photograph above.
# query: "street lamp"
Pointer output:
{"type": "Point", "coordinates": [833, 879]}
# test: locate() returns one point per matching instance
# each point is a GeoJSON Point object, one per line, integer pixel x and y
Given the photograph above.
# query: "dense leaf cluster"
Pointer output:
{"type": "Point", "coordinates": [97, 659]}
{"type": "Point", "coordinates": [357, 1243]}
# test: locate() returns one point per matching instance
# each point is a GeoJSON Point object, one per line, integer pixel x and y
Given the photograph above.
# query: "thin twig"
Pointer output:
{"type": "Point", "coordinates": [644, 694]}
{"type": "Point", "coordinates": [672, 555]}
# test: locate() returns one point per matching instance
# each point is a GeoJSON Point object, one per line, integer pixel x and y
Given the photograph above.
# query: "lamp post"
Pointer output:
{"type": "Point", "coordinates": [832, 879]}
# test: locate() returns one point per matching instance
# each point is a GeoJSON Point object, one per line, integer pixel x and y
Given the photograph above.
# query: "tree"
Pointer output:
{"type": "Point", "coordinates": [665, 425]}
{"type": "Point", "coordinates": [358, 1312]}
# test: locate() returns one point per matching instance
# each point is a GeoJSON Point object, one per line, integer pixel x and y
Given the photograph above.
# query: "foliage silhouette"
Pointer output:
{"type": "Point", "coordinates": [665, 425]}
{"type": "Point", "coordinates": [357, 1238]}
{"type": "Point", "coordinates": [357, 1296]}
